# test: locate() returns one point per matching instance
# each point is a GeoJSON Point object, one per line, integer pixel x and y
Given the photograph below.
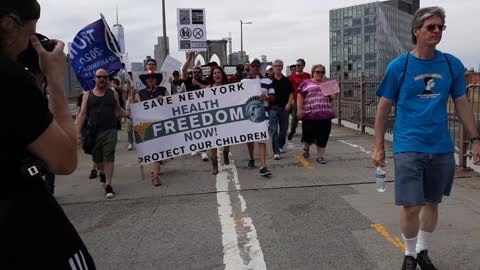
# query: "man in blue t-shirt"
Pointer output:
{"type": "Point", "coordinates": [421, 82]}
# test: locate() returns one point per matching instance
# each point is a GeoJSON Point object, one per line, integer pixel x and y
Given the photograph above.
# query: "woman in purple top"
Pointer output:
{"type": "Point", "coordinates": [316, 112]}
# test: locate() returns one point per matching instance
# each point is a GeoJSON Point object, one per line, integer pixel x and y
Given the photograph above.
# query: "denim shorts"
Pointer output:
{"type": "Point", "coordinates": [422, 177]}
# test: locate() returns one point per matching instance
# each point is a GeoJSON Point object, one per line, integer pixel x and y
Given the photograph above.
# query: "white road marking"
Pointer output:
{"type": "Point", "coordinates": [359, 147]}
{"type": "Point", "coordinates": [356, 146]}
{"type": "Point", "coordinates": [241, 248]}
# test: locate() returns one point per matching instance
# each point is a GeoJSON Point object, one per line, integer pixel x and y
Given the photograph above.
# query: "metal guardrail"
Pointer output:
{"type": "Point", "coordinates": [357, 103]}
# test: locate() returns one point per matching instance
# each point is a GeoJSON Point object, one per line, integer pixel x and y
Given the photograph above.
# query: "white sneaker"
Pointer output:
{"type": "Point", "coordinates": [204, 156]}
{"type": "Point", "coordinates": [130, 147]}
{"type": "Point", "coordinates": [276, 156]}
{"type": "Point", "coordinates": [282, 150]}
{"type": "Point", "coordinates": [194, 153]}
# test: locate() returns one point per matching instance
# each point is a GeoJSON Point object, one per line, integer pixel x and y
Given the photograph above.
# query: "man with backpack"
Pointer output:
{"type": "Point", "coordinates": [421, 82]}
{"type": "Point", "coordinates": [102, 107]}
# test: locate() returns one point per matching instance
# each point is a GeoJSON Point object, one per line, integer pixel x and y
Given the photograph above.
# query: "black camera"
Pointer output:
{"type": "Point", "coordinates": [29, 57]}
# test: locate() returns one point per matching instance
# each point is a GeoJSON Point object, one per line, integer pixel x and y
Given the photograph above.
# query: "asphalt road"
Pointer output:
{"type": "Point", "coordinates": [305, 216]}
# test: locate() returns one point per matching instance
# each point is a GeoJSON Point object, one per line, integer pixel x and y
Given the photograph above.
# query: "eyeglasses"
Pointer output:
{"type": "Point", "coordinates": [432, 27]}
{"type": "Point", "coordinates": [101, 77]}
{"type": "Point", "coordinates": [319, 72]}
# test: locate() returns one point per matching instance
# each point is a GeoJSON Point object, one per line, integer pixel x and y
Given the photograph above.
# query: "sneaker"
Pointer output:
{"type": "Point", "coordinates": [290, 136]}
{"type": "Point", "coordinates": [130, 147]}
{"type": "Point", "coordinates": [424, 261]}
{"type": "Point", "coordinates": [93, 174]}
{"type": "Point", "coordinates": [264, 171]}
{"type": "Point", "coordinates": [102, 178]}
{"type": "Point", "coordinates": [409, 263]}
{"type": "Point", "coordinates": [194, 153]}
{"type": "Point", "coordinates": [251, 163]}
{"type": "Point", "coordinates": [109, 192]}
{"type": "Point", "coordinates": [204, 156]}
{"type": "Point", "coordinates": [282, 150]}
{"type": "Point", "coordinates": [276, 156]}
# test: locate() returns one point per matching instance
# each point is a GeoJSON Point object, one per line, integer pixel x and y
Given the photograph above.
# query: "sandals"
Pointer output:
{"type": "Point", "coordinates": [156, 182]}
{"type": "Point", "coordinates": [321, 160]}
{"type": "Point", "coordinates": [306, 154]}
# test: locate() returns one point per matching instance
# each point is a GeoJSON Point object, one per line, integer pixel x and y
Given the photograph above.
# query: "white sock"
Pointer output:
{"type": "Point", "coordinates": [423, 241]}
{"type": "Point", "coordinates": [410, 246]}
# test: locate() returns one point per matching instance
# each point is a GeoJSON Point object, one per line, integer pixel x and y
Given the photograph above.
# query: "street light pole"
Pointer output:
{"type": "Point", "coordinates": [241, 39]}
{"type": "Point", "coordinates": [165, 43]}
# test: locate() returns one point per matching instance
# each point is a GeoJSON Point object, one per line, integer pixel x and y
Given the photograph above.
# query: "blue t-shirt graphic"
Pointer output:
{"type": "Point", "coordinates": [421, 123]}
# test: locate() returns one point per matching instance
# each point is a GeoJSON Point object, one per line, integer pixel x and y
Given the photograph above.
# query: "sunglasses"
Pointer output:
{"type": "Point", "coordinates": [150, 78]}
{"type": "Point", "coordinates": [101, 77]}
{"type": "Point", "coordinates": [319, 72]}
{"type": "Point", "coordinates": [432, 27]}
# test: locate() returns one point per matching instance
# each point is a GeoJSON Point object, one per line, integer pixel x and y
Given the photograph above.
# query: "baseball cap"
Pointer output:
{"type": "Point", "coordinates": [255, 62]}
{"type": "Point", "coordinates": [25, 9]}
{"type": "Point", "coordinates": [268, 67]}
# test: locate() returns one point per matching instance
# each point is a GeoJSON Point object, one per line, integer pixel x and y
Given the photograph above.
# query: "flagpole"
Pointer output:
{"type": "Point", "coordinates": [116, 50]}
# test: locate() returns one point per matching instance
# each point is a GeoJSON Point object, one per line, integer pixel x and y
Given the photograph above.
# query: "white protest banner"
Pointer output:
{"type": "Point", "coordinates": [171, 64]}
{"type": "Point", "coordinates": [191, 29]}
{"type": "Point", "coordinates": [199, 120]}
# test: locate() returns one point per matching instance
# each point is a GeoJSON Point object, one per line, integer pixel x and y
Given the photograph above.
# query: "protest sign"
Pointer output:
{"type": "Point", "coordinates": [199, 120]}
{"type": "Point", "coordinates": [329, 87]}
{"type": "Point", "coordinates": [171, 64]}
{"type": "Point", "coordinates": [93, 48]}
{"type": "Point", "coordinates": [205, 70]}
{"type": "Point", "coordinates": [230, 69]}
{"type": "Point", "coordinates": [191, 29]}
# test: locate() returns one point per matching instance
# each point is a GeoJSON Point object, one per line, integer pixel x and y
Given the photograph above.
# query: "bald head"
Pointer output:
{"type": "Point", "coordinates": [101, 72]}
{"type": "Point", "coordinates": [101, 79]}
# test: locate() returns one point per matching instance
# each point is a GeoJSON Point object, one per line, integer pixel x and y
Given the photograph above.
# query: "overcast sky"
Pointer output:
{"type": "Point", "coordinates": [281, 29]}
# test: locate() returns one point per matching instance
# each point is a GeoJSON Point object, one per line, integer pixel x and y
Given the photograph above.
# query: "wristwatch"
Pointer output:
{"type": "Point", "coordinates": [473, 139]}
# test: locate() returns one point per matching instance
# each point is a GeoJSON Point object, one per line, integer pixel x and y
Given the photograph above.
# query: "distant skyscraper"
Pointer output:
{"type": "Point", "coordinates": [365, 38]}
{"type": "Point", "coordinates": [159, 51]}
{"type": "Point", "coordinates": [235, 59]}
{"type": "Point", "coordinates": [119, 34]}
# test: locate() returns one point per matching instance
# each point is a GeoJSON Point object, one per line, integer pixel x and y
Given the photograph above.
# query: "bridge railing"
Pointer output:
{"type": "Point", "coordinates": [357, 103]}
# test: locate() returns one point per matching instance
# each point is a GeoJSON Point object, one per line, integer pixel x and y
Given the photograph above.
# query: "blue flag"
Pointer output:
{"type": "Point", "coordinates": [94, 48]}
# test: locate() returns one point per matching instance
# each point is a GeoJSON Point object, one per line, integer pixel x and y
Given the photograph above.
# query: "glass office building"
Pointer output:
{"type": "Point", "coordinates": [365, 38]}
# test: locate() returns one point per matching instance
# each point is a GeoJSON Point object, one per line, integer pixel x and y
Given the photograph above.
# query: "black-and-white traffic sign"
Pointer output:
{"type": "Point", "coordinates": [191, 29]}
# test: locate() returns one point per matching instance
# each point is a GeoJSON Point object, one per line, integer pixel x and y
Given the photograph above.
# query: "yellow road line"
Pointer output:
{"type": "Point", "coordinates": [305, 163]}
{"type": "Point", "coordinates": [394, 241]}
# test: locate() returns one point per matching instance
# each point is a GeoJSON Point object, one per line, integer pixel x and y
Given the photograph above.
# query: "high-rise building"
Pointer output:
{"type": "Point", "coordinates": [235, 58]}
{"type": "Point", "coordinates": [365, 38]}
{"type": "Point", "coordinates": [159, 51]}
{"type": "Point", "coordinates": [119, 34]}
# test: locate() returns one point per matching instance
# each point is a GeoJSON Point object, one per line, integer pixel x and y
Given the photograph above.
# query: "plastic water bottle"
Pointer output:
{"type": "Point", "coordinates": [380, 179]}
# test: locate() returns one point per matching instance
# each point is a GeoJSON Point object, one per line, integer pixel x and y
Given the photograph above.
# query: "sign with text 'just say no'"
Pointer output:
{"type": "Point", "coordinates": [199, 120]}
{"type": "Point", "coordinates": [191, 29]}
